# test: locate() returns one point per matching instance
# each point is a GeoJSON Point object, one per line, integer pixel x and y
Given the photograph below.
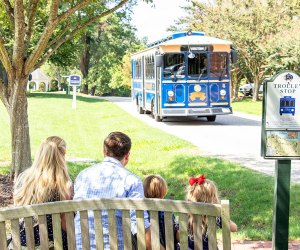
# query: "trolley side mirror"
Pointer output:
{"type": "Point", "coordinates": [159, 60]}
{"type": "Point", "coordinates": [234, 56]}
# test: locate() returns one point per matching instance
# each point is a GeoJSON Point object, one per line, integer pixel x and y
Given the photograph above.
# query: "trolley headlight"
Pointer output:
{"type": "Point", "coordinates": [223, 92]}
{"type": "Point", "coordinates": [197, 88]}
{"type": "Point", "coordinates": [170, 93]}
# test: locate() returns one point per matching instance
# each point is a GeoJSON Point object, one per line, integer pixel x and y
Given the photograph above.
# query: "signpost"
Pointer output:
{"type": "Point", "coordinates": [74, 80]}
{"type": "Point", "coordinates": [281, 141]}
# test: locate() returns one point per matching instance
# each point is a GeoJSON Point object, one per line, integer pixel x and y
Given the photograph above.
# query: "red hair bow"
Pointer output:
{"type": "Point", "coordinates": [199, 180]}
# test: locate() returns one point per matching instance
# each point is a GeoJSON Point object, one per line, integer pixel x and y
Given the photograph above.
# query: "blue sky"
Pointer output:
{"type": "Point", "coordinates": [152, 22]}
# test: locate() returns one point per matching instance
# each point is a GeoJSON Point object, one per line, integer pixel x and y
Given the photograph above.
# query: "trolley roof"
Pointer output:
{"type": "Point", "coordinates": [185, 39]}
{"type": "Point", "coordinates": [196, 40]}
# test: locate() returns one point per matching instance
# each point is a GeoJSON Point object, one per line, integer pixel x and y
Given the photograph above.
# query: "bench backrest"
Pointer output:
{"type": "Point", "coordinates": [180, 208]}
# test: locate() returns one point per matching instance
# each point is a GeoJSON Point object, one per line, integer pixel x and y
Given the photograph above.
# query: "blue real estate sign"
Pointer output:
{"type": "Point", "coordinates": [281, 116]}
{"type": "Point", "coordinates": [74, 80]}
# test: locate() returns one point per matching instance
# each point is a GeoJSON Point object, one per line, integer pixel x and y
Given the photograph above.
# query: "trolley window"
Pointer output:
{"type": "Point", "coordinates": [197, 66]}
{"type": "Point", "coordinates": [174, 66]}
{"type": "Point", "coordinates": [218, 65]}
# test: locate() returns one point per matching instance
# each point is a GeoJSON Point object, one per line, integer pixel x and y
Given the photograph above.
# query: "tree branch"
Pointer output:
{"type": "Point", "coordinates": [71, 11]}
{"type": "Point", "coordinates": [44, 39]}
{"type": "Point", "coordinates": [82, 4]}
{"type": "Point", "coordinates": [18, 48]}
{"type": "Point", "coordinates": [4, 95]}
{"type": "Point", "coordinates": [10, 11]}
{"type": "Point", "coordinates": [5, 58]}
{"type": "Point", "coordinates": [66, 29]}
{"type": "Point", "coordinates": [32, 10]}
{"type": "Point", "coordinates": [59, 42]}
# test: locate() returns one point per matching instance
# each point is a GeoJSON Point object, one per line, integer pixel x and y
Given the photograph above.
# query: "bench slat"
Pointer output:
{"type": "Point", "coordinates": [169, 231]}
{"type": "Point", "coordinates": [154, 220]}
{"type": "Point", "coordinates": [56, 223]}
{"type": "Point", "coordinates": [113, 241]}
{"type": "Point", "coordinates": [211, 232]}
{"type": "Point", "coordinates": [126, 229]}
{"type": "Point", "coordinates": [226, 225]}
{"type": "Point", "coordinates": [197, 230]}
{"type": "Point", "coordinates": [15, 232]}
{"type": "Point", "coordinates": [70, 230]}
{"type": "Point", "coordinates": [140, 224]}
{"type": "Point", "coordinates": [183, 208]}
{"type": "Point", "coordinates": [29, 233]}
{"type": "Point", "coordinates": [44, 243]}
{"type": "Point", "coordinates": [98, 229]}
{"type": "Point", "coordinates": [183, 226]}
{"type": "Point", "coordinates": [84, 225]}
{"type": "Point", "coordinates": [122, 204]}
{"type": "Point", "coordinates": [2, 235]}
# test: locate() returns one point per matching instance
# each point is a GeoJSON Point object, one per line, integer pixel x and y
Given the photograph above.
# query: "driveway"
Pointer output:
{"type": "Point", "coordinates": [235, 137]}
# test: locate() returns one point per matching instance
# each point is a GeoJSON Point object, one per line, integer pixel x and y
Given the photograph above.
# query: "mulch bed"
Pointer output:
{"type": "Point", "coordinates": [6, 191]}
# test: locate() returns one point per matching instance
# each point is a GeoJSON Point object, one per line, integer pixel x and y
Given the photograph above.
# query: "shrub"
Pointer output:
{"type": "Point", "coordinates": [42, 87]}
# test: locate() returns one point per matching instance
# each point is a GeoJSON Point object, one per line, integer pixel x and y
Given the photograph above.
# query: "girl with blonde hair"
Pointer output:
{"type": "Point", "coordinates": [155, 186]}
{"type": "Point", "coordinates": [203, 190]}
{"type": "Point", "coordinates": [47, 180]}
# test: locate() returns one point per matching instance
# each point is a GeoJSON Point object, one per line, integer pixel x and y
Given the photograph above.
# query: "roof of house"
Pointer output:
{"type": "Point", "coordinates": [39, 75]}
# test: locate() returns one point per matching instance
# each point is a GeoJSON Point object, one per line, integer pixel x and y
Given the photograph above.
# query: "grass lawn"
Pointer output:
{"type": "Point", "coordinates": [153, 151]}
{"type": "Point", "coordinates": [247, 106]}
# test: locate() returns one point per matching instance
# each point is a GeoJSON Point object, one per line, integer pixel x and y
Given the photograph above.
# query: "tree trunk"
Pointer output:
{"type": "Point", "coordinates": [85, 61]}
{"type": "Point", "coordinates": [256, 88]}
{"type": "Point", "coordinates": [85, 88]}
{"type": "Point", "coordinates": [20, 140]}
{"type": "Point", "coordinates": [93, 90]}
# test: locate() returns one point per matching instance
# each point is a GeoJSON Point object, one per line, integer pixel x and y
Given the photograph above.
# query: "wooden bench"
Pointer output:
{"type": "Point", "coordinates": [180, 208]}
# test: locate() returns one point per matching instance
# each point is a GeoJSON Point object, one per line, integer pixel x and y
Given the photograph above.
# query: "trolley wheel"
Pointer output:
{"type": "Point", "coordinates": [139, 108]}
{"type": "Point", "coordinates": [157, 118]}
{"type": "Point", "coordinates": [211, 118]}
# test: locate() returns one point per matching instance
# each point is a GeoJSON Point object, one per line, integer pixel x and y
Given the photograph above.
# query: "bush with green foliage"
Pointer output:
{"type": "Point", "coordinates": [42, 87]}
{"type": "Point", "coordinates": [54, 85]}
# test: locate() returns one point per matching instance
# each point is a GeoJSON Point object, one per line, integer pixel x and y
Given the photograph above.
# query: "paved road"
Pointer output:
{"type": "Point", "coordinates": [233, 137]}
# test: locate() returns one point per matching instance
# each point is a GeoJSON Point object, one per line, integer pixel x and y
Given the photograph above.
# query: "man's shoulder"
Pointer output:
{"type": "Point", "coordinates": [89, 170]}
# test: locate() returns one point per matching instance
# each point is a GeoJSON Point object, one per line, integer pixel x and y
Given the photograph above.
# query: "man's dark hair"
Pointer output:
{"type": "Point", "coordinates": [117, 145]}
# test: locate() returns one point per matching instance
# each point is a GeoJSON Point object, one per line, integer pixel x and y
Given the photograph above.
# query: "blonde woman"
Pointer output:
{"type": "Point", "coordinates": [47, 180]}
{"type": "Point", "coordinates": [203, 190]}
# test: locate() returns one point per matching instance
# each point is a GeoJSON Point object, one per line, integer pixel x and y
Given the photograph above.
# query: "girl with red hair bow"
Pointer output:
{"type": "Point", "coordinates": [203, 190]}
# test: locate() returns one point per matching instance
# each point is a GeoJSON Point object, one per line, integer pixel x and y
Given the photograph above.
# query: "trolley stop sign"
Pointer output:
{"type": "Point", "coordinates": [74, 80]}
{"type": "Point", "coordinates": [281, 117]}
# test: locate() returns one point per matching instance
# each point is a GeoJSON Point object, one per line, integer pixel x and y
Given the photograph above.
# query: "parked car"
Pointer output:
{"type": "Point", "coordinates": [248, 89]}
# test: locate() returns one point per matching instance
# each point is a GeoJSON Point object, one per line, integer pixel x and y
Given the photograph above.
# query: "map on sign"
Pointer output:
{"type": "Point", "coordinates": [74, 80]}
{"type": "Point", "coordinates": [283, 143]}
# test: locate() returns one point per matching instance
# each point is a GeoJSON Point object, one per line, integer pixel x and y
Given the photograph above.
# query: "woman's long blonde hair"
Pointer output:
{"type": "Point", "coordinates": [47, 175]}
{"type": "Point", "coordinates": [205, 192]}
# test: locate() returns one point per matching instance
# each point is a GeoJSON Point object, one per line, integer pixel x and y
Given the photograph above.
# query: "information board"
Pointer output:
{"type": "Point", "coordinates": [74, 80]}
{"type": "Point", "coordinates": [281, 116]}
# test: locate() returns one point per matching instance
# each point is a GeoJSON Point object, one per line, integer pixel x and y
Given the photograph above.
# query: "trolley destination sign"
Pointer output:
{"type": "Point", "coordinates": [281, 116]}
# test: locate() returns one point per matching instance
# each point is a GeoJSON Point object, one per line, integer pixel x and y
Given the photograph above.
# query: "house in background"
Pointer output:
{"type": "Point", "coordinates": [39, 81]}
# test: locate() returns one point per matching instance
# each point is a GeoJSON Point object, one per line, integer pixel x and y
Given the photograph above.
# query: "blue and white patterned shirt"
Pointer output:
{"type": "Point", "coordinates": [108, 179]}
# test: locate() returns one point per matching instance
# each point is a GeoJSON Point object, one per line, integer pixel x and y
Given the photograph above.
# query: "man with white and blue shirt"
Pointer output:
{"type": "Point", "coordinates": [110, 179]}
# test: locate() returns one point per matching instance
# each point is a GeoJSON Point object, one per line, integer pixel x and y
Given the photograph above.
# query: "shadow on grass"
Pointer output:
{"type": "Point", "coordinates": [250, 193]}
{"type": "Point", "coordinates": [63, 96]}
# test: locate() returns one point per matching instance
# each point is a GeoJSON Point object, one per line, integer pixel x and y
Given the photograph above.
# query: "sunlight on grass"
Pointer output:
{"type": "Point", "coordinates": [153, 151]}
{"type": "Point", "coordinates": [247, 106]}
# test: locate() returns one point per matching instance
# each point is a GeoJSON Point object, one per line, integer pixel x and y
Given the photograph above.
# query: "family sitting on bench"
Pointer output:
{"type": "Point", "coordinates": [47, 180]}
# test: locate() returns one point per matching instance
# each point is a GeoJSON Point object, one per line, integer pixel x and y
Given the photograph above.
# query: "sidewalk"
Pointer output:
{"type": "Point", "coordinates": [260, 245]}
